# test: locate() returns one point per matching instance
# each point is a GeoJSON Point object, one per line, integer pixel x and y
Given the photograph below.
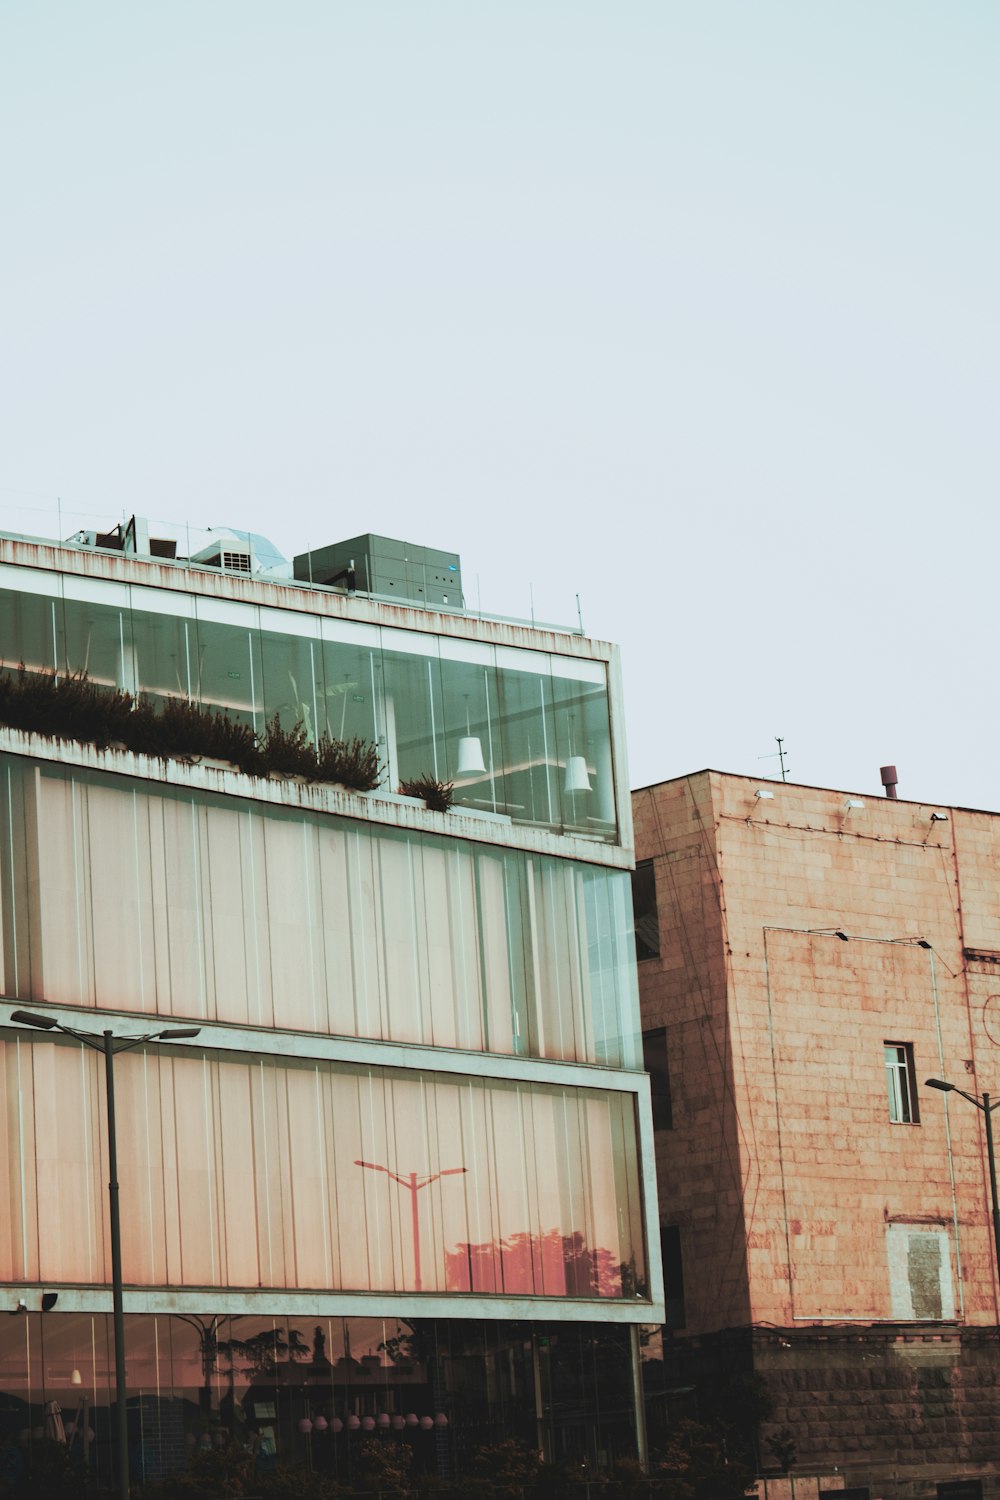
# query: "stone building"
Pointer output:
{"type": "Point", "coordinates": [807, 959]}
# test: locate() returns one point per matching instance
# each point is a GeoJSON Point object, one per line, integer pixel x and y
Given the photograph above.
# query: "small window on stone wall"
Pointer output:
{"type": "Point", "coordinates": [673, 1274]}
{"type": "Point", "coordinates": [656, 1063]}
{"type": "Point", "coordinates": [647, 921]}
{"type": "Point", "coordinates": [901, 1081]}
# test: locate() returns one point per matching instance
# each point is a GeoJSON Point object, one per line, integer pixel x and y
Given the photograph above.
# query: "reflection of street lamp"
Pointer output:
{"type": "Point", "coordinates": [413, 1183]}
{"type": "Point", "coordinates": [109, 1044]}
{"type": "Point", "coordinates": [987, 1109]}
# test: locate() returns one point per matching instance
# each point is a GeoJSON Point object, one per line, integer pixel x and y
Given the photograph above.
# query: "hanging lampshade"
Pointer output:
{"type": "Point", "coordinates": [368, 1424]}
{"type": "Point", "coordinates": [76, 1378]}
{"type": "Point", "coordinates": [398, 1422]}
{"type": "Point", "coordinates": [353, 1422]}
{"type": "Point", "coordinates": [337, 1425]}
{"type": "Point", "coordinates": [440, 1420]}
{"type": "Point", "coordinates": [412, 1420]}
{"type": "Point", "coordinates": [470, 750]}
{"type": "Point", "coordinates": [576, 779]}
{"type": "Point", "coordinates": [382, 1420]}
{"type": "Point", "coordinates": [321, 1424]}
{"type": "Point", "coordinates": [470, 756]}
{"type": "Point", "coordinates": [427, 1423]}
{"type": "Point", "coordinates": [305, 1424]}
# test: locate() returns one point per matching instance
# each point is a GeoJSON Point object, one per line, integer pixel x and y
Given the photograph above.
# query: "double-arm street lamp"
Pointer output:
{"type": "Point", "coordinates": [110, 1045]}
{"type": "Point", "coordinates": [982, 1103]}
{"type": "Point", "coordinates": [413, 1182]}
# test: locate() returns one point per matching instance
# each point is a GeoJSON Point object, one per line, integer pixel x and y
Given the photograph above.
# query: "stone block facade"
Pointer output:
{"type": "Point", "coordinates": [818, 961]}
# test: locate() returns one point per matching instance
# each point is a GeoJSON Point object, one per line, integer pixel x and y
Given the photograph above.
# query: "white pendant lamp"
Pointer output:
{"type": "Point", "coordinates": [470, 750]}
{"type": "Point", "coordinates": [576, 778]}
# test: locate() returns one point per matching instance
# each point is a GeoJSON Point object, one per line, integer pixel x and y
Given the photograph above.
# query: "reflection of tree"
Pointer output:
{"type": "Point", "coordinates": [549, 1264]}
{"type": "Point", "coordinates": [259, 1354]}
{"type": "Point", "coordinates": [408, 1345]}
{"type": "Point", "coordinates": [207, 1330]}
{"type": "Point", "coordinates": [263, 1352]}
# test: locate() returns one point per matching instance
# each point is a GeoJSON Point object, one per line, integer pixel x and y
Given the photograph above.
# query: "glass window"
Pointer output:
{"type": "Point", "coordinates": [901, 1083]}
{"type": "Point", "coordinates": [518, 732]}
{"type": "Point", "coordinates": [250, 1171]}
{"type": "Point", "coordinates": [246, 913]}
{"type": "Point", "coordinates": [350, 706]}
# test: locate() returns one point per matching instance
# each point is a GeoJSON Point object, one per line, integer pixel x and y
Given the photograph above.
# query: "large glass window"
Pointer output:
{"type": "Point", "coordinates": [523, 733]}
{"type": "Point", "coordinates": [247, 1171]}
{"type": "Point", "coordinates": [316, 1393]}
{"type": "Point", "coordinates": [136, 895]}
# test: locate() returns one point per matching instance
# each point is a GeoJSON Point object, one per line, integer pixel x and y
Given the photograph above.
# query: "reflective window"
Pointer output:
{"type": "Point", "coordinates": [313, 1393]}
{"type": "Point", "coordinates": [249, 1171]}
{"type": "Point", "coordinates": [522, 733]}
{"type": "Point", "coordinates": [135, 895]}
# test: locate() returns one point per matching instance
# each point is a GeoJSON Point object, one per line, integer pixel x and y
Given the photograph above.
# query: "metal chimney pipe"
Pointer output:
{"type": "Point", "coordinates": [888, 775]}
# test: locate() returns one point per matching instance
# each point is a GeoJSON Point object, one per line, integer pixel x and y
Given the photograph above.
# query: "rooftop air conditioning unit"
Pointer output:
{"type": "Point", "coordinates": [228, 555]}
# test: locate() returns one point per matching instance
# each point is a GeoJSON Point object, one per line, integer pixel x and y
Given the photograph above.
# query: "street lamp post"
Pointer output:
{"type": "Point", "coordinates": [982, 1103]}
{"type": "Point", "coordinates": [413, 1182]}
{"type": "Point", "coordinates": [107, 1043]}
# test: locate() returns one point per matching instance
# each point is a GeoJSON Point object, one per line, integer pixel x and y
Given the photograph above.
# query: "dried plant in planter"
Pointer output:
{"type": "Point", "coordinates": [288, 751]}
{"type": "Point", "coordinates": [352, 763]}
{"type": "Point", "coordinates": [437, 795]}
{"type": "Point", "coordinates": [179, 727]}
{"type": "Point", "coordinates": [73, 708]}
{"type": "Point", "coordinates": [65, 708]}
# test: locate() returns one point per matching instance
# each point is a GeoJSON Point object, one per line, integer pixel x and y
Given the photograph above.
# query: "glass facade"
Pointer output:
{"type": "Point", "coordinates": [244, 1171]}
{"type": "Point", "coordinates": [303, 1153]}
{"type": "Point", "coordinates": [522, 733]}
{"type": "Point", "coordinates": [133, 895]}
{"type": "Point", "coordinates": [314, 1392]}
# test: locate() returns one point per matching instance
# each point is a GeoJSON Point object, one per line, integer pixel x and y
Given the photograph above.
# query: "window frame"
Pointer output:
{"type": "Point", "coordinates": [901, 1083]}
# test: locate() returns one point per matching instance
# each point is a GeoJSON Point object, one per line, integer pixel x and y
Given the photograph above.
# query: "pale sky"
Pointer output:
{"type": "Point", "coordinates": [689, 308]}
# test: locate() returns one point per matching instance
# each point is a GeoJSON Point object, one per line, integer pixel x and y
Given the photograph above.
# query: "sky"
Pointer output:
{"type": "Point", "coordinates": [691, 310]}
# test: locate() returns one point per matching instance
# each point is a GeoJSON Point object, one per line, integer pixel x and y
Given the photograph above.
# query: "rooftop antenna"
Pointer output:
{"type": "Point", "coordinates": [579, 613]}
{"type": "Point", "coordinates": [779, 756]}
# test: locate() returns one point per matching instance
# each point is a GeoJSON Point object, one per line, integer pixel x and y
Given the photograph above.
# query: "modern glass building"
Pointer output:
{"type": "Point", "coordinates": [401, 1182]}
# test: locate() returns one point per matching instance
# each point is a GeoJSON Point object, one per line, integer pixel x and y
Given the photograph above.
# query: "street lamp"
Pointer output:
{"type": "Point", "coordinates": [109, 1044]}
{"type": "Point", "coordinates": [987, 1108]}
{"type": "Point", "coordinates": [413, 1182]}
